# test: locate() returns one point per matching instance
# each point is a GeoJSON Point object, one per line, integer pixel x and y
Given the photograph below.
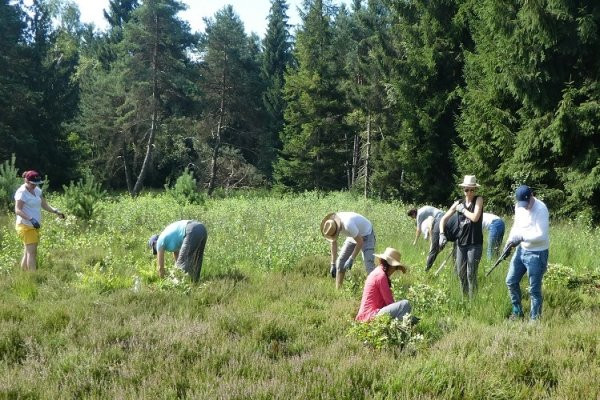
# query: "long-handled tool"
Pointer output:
{"type": "Point", "coordinates": [507, 249]}
{"type": "Point", "coordinates": [444, 263]}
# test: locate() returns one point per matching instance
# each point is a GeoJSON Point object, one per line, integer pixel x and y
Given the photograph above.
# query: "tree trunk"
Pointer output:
{"type": "Point", "coordinates": [153, 125]}
{"type": "Point", "coordinates": [217, 136]}
{"type": "Point", "coordinates": [367, 155]}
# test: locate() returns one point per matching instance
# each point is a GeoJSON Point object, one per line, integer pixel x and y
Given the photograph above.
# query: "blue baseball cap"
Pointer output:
{"type": "Point", "coordinates": [523, 195]}
{"type": "Point", "coordinates": [152, 243]}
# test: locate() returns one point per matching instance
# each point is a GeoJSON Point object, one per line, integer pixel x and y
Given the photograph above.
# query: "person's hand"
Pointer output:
{"type": "Point", "coordinates": [442, 241]}
{"type": "Point", "coordinates": [348, 264]}
{"type": "Point", "coordinates": [332, 270]}
{"type": "Point", "coordinates": [59, 213]}
{"type": "Point", "coordinates": [35, 223]}
{"type": "Point", "coordinates": [460, 208]}
{"type": "Point", "coordinates": [514, 241]}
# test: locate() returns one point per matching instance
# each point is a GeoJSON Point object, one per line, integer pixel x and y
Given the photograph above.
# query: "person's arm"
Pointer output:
{"type": "Point", "coordinates": [359, 245]}
{"type": "Point", "coordinates": [333, 249]}
{"type": "Point", "coordinates": [19, 204]}
{"type": "Point", "coordinates": [447, 216]}
{"type": "Point", "coordinates": [385, 291]}
{"type": "Point", "coordinates": [160, 259]}
{"type": "Point", "coordinates": [51, 209]}
{"type": "Point", "coordinates": [417, 233]}
{"type": "Point", "coordinates": [476, 214]}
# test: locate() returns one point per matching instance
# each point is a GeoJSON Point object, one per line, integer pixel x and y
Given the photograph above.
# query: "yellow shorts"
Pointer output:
{"type": "Point", "coordinates": [28, 234]}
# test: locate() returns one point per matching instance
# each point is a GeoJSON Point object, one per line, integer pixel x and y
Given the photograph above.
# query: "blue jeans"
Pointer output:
{"type": "Point", "coordinates": [495, 236]}
{"type": "Point", "coordinates": [535, 263]}
{"type": "Point", "coordinates": [368, 252]}
{"type": "Point", "coordinates": [467, 263]}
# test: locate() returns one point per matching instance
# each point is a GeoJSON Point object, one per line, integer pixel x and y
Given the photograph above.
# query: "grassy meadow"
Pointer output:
{"type": "Point", "coordinates": [265, 321]}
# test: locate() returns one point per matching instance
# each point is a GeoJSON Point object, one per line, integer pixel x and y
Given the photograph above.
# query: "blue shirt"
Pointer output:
{"type": "Point", "coordinates": [171, 238]}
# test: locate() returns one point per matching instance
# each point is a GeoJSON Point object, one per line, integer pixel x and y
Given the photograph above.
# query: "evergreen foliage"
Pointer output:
{"type": "Point", "coordinates": [9, 183]}
{"type": "Point", "coordinates": [185, 189]}
{"type": "Point", "coordinates": [83, 197]}
{"type": "Point", "coordinates": [396, 99]}
{"type": "Point", "coordinates": [315, 149]}
{"type": "Point", "coordinates": [276, 58]}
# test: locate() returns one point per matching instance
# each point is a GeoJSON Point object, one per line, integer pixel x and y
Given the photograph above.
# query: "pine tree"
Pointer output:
{"type": "Point", "coordinates": [531, 102]}
{"type": "Point", "coordinates": [315, 153]}
{"type": "Point", "coordinates": [230, 80]}
{"type": "Point", "coordinates": [277, 57]}
{"type": "Point", "coordinates": [416, 160]}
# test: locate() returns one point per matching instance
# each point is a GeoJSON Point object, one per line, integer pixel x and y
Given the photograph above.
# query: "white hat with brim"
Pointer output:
{"type": "Point", "coordinates": [392, 256]}
{"type": "Point", "coordinates": [331, 226]}
{"type": "Point", "coordinates": [469, 181]}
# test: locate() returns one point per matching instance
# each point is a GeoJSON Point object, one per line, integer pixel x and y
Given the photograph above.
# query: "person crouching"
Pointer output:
{"type": "Point", "coordinates": [377, 298]}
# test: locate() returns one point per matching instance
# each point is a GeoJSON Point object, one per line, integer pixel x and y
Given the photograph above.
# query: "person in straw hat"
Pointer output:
{"type": "Point", "coordinates": [377, 298]}
{"type": "Point", "coordinates": [470, 234]}
{"type": "Point", "coordinates": [360, 236]}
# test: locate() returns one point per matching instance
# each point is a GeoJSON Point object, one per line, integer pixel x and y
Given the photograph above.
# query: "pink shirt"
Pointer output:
{"type": "Point", "coordinates": [376, 295]}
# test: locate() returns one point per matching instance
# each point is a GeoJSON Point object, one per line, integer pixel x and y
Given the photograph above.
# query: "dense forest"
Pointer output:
{"type": "Point", "coordinates": [394, 99]}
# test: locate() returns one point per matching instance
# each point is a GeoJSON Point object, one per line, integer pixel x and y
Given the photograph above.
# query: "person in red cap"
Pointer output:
{"type": "Point", "coordinates": [29, 202]}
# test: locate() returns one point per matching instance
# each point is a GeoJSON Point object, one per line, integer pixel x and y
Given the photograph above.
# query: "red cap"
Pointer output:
{"type": "Point", "coordinates": [33, 177]}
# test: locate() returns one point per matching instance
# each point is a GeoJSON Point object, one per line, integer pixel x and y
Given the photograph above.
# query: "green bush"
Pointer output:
{"type": "Point", "coordinates": [81, 198]}
{"type": "Point", "coordinates": [185, 190]}
{"type": "Point", "coordinates": [386, 332]}
{"type": "Point", "coordinates": [9, 183]}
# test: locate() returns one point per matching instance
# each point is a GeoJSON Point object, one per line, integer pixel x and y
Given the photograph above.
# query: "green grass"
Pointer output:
{"type": "Point", "coordinates": [265, 320]}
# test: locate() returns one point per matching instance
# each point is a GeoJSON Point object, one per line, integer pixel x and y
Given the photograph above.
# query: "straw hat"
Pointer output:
{"type": "Point", "coordinates": [331, 226]}
{"type": "Point", "coordinates": [469, 181]}
{"type": "Point", "coordinates": [392, 256]}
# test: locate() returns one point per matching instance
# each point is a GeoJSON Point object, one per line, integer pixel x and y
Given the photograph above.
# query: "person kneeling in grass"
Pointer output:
{"type": "Point", "coordinates": [186, 239]}
{"type": "Point", "coordinates": [377, 298]}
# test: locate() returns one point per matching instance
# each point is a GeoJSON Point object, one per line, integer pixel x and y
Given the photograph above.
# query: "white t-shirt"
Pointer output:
{"type": "Point", "coordinates": [487, 219]}
{"type": "Point", "coordinates": [426, 226]}
{"type": "Point", "coordinates": [32, 204]}
{"type": "Point", "coordinates": [354, 224]}
{"type": "Point", "coordinates": [533, 225]}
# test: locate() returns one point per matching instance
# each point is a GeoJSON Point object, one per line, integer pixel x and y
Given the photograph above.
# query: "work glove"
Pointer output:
{"type": "Point", "coordinates": [510, 244]}
{"type": "Point", "coordinates": [460, 208]}
{"type": "Point", "coordinates": [348, 264]}
{"type": "Point", "coordinates": [35, 223]}
{"type": "Point", "coordinates": [442, 241]}
{"type": "Point", "coordinates": [332, 270]}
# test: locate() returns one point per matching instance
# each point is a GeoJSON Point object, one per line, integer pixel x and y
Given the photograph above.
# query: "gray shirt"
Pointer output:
{"type": "Point", "coordinates": [426, 211]}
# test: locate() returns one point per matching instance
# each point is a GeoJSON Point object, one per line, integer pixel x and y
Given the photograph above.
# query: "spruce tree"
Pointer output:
{"type": "Point", "coordinates": [277, 57]}
{"type": "Point", "coordinates": [315, 153]}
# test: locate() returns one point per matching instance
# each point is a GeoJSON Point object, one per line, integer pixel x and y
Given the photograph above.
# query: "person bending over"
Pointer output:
{"type": "Point", "coordinates": [186, 239]}
{"type": "Point", "coordinates": [360, 236]}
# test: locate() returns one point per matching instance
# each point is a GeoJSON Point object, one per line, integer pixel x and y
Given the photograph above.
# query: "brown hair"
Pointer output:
{"type": "Point", "coordinates": [412, 212]}
{"type": "Point", "coordinates": [385, 266]}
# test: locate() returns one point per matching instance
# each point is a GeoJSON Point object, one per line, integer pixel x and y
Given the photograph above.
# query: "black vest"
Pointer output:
{"type": "Point", "coordinates": [469, 232]}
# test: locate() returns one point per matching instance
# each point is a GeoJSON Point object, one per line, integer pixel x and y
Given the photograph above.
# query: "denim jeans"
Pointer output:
{"type": "Point", "coordinates": [467, 263]}
{"type": "Point", "coordinates": [397, 309]}
{"type": "Point", "coordinates": [535, 264]}
{"type": "Point", "coordinates": [368, 252]}
{"type": "Point", "coordinates": [495, 236]}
